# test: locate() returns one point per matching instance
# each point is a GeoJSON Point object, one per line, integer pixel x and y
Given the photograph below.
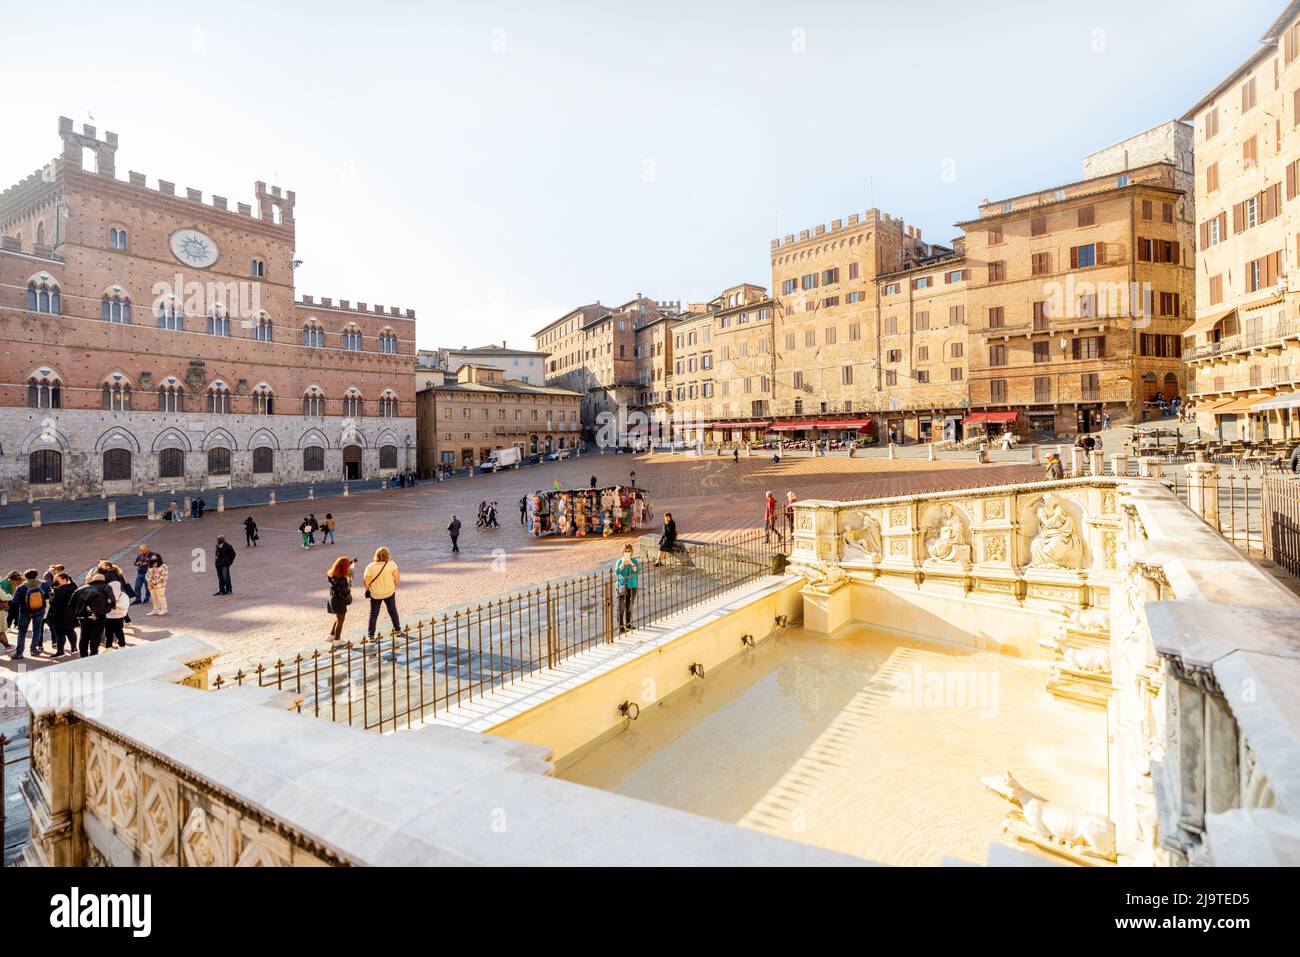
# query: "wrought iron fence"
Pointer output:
{"type": "Point", "coordinates": [460, 655]}
{"type": "Point", "coordinates": [1280, 507]}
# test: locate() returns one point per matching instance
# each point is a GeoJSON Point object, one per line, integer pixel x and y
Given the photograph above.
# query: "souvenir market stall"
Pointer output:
{"type": "Point", "coordinates": [605, 511]}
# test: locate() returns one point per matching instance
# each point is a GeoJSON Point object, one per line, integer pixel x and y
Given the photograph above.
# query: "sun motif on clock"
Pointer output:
{"type": "Point", "coordinates": [194, 248]}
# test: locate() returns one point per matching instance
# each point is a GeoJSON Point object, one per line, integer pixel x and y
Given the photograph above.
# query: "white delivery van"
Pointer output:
{"type": "Point", "coordinates": [503, 459]}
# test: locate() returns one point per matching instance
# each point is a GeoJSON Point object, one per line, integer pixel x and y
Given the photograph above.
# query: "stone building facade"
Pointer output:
{"type": "Point", "coordinates": [152, 339]}
{"type": "Point", "coordinates": [595, 350]}
{"type": "Point", "coordinates": [469, 413]}
{"type": "Point", "coordinates": [522, 364]}
{"type": "Point", "coordinates": [918, 360]}
{"type": "Point", "coordinates": [1078, 298]}
{"type": "Point", "coordinates": [824, 327]}
{"type": "Point", "coordinates": [1243, 351]}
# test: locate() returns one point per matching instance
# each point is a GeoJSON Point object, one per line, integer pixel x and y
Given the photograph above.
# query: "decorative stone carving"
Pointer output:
{"type": "Point", "coordinates": [994, 508]}
{"type": "Point", "coordinates": [947, 538]}
{"type": "Point", "coordinates": [200, 844]}
{"type": "Point", "coordinates": [1088, 837]}
{"type": "Point", "coordinates": [865, 537]}
{"type": "Point", "coordinates": [995, 548]}
{"type": "Point", "coordinates": [820, 575]}
{"type": "Point", "coordinates": [1057, 543]}
{"type": "Point", "coordinates": [897, 517]}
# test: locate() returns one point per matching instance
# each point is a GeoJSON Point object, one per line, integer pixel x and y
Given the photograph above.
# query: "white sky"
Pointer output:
{"type": "Point", "coordinates": [494, 164]}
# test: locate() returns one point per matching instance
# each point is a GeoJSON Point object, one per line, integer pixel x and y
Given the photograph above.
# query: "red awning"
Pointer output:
{"type": "Point", "coordinates": [975, 418]}
{"type": "Point", "coordinates": [843, 423]}
{"type": "Point", "coordinates": [795, 426]}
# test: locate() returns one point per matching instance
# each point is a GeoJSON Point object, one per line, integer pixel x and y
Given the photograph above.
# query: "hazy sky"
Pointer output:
{"type": "Point", "coordinates": [493, 164]}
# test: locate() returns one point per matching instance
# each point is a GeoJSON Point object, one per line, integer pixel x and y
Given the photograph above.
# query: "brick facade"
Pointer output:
{"type": "Point", "coordinates": [122, 355]}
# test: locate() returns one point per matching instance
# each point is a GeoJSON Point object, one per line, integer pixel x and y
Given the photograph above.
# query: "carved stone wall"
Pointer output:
{"type": "Point", "coordinates": [1153, 609]}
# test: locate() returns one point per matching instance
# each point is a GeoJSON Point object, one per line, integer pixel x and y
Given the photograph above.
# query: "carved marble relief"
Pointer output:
{"type": "Point", "coordinates": [863, 534]}
{"type": "Point", "coordinates": [1057, 542]}
{"type": "Point", "coordinates": [947, 537]}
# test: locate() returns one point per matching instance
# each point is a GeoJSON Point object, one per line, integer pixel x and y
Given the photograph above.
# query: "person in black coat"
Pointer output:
{"type": "Point", "coordinates": [668, 540]}
{"type": "Point", "coordinates": [250, 532]}
{"type": "Point", "coordinates": [225, 558]}
{"type": "Point", "coordinates": [62, 620]}
{"type": "Point", "coordinates": [340, 582]}
{"type": "Point", "coordinates": [91, 604]}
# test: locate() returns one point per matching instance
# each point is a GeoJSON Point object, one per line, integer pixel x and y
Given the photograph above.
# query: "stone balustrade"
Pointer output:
{"type": "Point", "coordinates": [135, 764]}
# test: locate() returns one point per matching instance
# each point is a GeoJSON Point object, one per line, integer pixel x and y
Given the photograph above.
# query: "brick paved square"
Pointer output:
{"type": "Point", "coordinates": [278, 605]}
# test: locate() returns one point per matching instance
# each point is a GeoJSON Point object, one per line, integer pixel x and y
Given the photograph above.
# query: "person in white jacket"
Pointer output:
{"type": "Point", "coordinates": [115, 620]}
{"type": "Point", "coordinates": [157, 579]}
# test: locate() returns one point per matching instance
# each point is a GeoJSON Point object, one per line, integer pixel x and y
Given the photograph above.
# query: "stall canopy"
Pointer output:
{"type": "Point", "coordinates": [980, 418]}
{"type": "Point", "coordinates": [1287, 400]}
{"type": "Point", "coordinates": [748, 424]}
{"type": "Point", "coordinates": [795, 426]}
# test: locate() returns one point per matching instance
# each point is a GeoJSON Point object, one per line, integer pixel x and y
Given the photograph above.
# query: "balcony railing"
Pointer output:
{"type": "Point", "coordinates": [1267, 376]}
{"type": "Point", "coordinates": [1275, 334]}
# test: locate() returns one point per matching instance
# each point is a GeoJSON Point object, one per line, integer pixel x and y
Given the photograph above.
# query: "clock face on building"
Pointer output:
{"type": "Point", "coordinates": [194, 248]}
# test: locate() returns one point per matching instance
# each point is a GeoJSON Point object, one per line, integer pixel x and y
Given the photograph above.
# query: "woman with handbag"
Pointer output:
{"type": "Point", "coordinates": [381, 578]}
{"type": "Point", "coordinates": [340, 582]}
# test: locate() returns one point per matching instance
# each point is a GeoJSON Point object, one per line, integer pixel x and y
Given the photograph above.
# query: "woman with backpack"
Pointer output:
{"type": "Point", "coordinates": [32, 598]}
{"type": "Point", "coordinates": [339, 578]}
{"type": "Point", "coordinates": [305, 528]}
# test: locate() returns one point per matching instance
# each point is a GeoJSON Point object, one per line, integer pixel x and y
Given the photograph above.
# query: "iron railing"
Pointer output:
{"type": "Point", "coordinates": [1280, 506]}
{"type": "Point", "coordinates": [458, 656]}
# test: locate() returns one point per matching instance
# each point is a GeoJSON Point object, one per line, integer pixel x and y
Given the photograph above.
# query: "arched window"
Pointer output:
{"type": "Point", "coordinates": [388, 405]}
{"type": "Point", "coordinates": [352, 339]}
{"type": "Point", "coordinates": [262, 331]}
{"type": "Point", "coordinates": [45, 467]}
{"type": "Point", "coordinates": [40, 234]}
{"type": "Point", "coordinates": [218, 321]}
{"type": "Point", "coordinates": [44, 391]}
{"type": "Point", "coordinates": [313, 335]}
{"type": "Point", "coordinates": [263, 400]}
{"type": "Point", "coordinates": [263, 460]}
{"type": "Point", "coordinates": [218, 398]}
{"type": "Point", "coordinates": [115, 306]}
{"type": "Point", "coordinates": [171, 314]}
{"type": "Point", "coordinates": [116, 395]}
{"type": "Point", "coordinates": [313, 402]}
{"type": "Point", "coordinates": [171, 463]}
{"type": "Point", "coordinates": [117, 239]}
{"type": "Point", "coordinates": [117, 465]}
{"type": "Point", "coordinates": [388, 342]}
{"type": "Point", "coordinates": [388, 456]}
{"type": "Point", "coordinates": [218, 461]}
{"type": "Point", "coordinates": [43, 295]}
{"type": "Point", "coordinates": [259, 269]}
{"type": "Point", "coordinates": [352, 405]}
{"type": "Point", "coordinates": [313, 459]}
{"type": "Point", "coordinates": [171, 396]}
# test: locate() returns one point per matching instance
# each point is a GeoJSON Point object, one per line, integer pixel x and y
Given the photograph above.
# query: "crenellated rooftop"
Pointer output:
{"type": "Point", "coordinates": [872, 215]}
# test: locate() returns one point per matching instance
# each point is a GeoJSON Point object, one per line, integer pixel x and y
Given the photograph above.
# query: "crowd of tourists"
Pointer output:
{"type": "Point", "coordinates": [79, 619]}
